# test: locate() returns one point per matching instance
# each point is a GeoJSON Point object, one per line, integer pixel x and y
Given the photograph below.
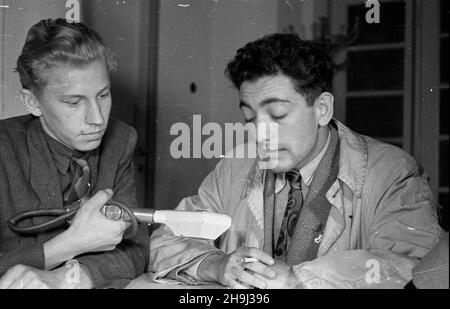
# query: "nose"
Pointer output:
{"type": "Point", "coordinates": [267, 139]}
{"type": "Point", "coordinates": [261, 132]}
{"type": "Point", "coordinates": [94, 114]}
{"type": "Point", "coordinates": [267, 132]}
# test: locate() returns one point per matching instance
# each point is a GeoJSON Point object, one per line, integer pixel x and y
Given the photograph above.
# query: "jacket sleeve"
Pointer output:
{"type": "Point", "coordinates": [177, 258]}
{"type": "Point", "coordinates": [31, 256]}
{"type": "Point", "coordinates": [432, 271]}
{"type": "Point", "coordinates": [400, 225]}
{"type": "Point", "coordinates": [128, 260]}
{"type": "Point", "coordinates": [13, 250]}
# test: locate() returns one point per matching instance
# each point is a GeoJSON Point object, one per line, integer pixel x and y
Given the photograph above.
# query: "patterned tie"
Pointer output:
{"type": "Point", "coordinates": [293, 208]}
{"type": "Point", "coordinates": [80, 185]}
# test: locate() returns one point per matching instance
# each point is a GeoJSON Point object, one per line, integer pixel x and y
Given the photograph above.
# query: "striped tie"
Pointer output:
{"type": "Point", "coordinates": [80, 185]}
{"type": "Point", "coordinates": [293, 207]}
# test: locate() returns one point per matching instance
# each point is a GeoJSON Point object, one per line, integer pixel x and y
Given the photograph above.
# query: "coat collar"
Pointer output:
{"type": "Point", "coordinates": [44, 176]}
{"type": "Point", "coordinates": [353, 160]}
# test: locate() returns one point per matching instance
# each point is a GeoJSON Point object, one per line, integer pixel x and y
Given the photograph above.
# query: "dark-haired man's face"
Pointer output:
{"type": "Point", "coordinates": [75, 104]}
{"type": "Point", "coordinates": [273, 99]}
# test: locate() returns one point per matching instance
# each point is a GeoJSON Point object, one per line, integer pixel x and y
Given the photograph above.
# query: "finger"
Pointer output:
{"type": "Point", "coordinates": [36, 284]}
{"type": "Point", "coordinates": [27, 278]}
{"type": "Point", "coordinates": [261, 269]}
{"type": "Point", "coordinates": [123, 225]}
{"type": "Point", "coordinates": [33, 285]}
{"type": "Point", "coordinates": [235, 284]}
{"type": "Point", "coordinates": [109, 248]}
{"type": "Point", "coordinates": [16, 284]}
{"type": "Point", "coordinates": [5, 282]}
{"type": "Point", "coordinates": [258, 254]}
{"type": "Point", "coordinates": [118, 228]}
{"type": "Point", "coordinates": [247, 278]}
{"type": "Point", "coordinates": [11, 275]}
{"type": "Point", "coordinates": [22, 281]}
{"type": "Point", "coordinates": [99, 199]}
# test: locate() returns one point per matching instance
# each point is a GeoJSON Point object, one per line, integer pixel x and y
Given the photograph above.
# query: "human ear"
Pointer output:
{"type": "Point", "coordinates": [324, 105]}
{"type": "Point", "coordinates": [30, 101]}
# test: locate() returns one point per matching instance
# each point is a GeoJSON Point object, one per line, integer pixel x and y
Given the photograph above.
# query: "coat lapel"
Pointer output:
{"type": "Point", "coordinates": [335, 223]}
{"type": "Point", "coordinates": [353, 158]}
{"type": "Point", "coordinates": [44, 177]}
{"type": "Point", "coordinates": [252, 192]}
{"type": "Point", "coordinates": [253, 195]}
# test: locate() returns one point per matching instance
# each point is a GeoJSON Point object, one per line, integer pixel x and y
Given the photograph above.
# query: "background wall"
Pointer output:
{"type": "Point", "coordinates": [163, 48]}
{"type": "Point", "coordinates": [197, 40]}
{"type": "Point", "coordinates": [16, 18]}
{"type": "Point", "coordinates": [129, 28]}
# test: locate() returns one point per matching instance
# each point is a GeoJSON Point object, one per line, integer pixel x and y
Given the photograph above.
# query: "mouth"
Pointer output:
{"type": "Point", "coordinates": [94, 135]}
{"type": "Point", "coordinates": [271, 151]}
{"type": "Point", "coordinates": [267, 155]}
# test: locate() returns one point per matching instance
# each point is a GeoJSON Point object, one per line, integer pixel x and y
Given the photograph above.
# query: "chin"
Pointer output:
{"type": "Point", "coordinates": [280, 169]}
{"type": "Point", "coordinates": [88, 146]}
{"type": "Point", "coordinates": [284, 163]}
{"type": "Point", "coordinates": [276, 166]}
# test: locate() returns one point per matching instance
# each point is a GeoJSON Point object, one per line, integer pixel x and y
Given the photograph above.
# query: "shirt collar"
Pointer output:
{"type": "Point", "coordinates": [307, 171]}
{"type": "Point", "coordinates": [61, 154]}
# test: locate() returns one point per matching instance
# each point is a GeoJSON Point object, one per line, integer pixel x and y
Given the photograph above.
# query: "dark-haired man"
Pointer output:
{"type": "Point", "coordinates": [336, 209]}
{"type": "Point", "coordinates": [65, 151]}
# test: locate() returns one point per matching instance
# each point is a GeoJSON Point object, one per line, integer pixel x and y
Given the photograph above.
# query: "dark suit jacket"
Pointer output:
{"type": "Point", "coordinates": [29, 181]}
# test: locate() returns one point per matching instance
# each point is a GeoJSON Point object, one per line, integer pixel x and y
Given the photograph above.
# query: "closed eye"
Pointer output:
{"type": "Point", "coordinates": [105, 95]}
{"type": "Point", "coordinates": [72, 102]}
{"type": "Point", "coordinates": [278, 117]}
{"type": "Point", "coordinates": [278, 110]}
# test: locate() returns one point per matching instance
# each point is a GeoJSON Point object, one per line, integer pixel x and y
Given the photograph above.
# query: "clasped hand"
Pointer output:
{"type": "Point", "coordinates": [91, 230]}
{"type": "Point", "coordinates": [264, 273]}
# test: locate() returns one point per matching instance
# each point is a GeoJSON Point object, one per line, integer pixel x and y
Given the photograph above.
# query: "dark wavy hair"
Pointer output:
{"type": "Point", "coordinates": [305, 62]}
{"type": "Point", "coordinates": [52, 42]}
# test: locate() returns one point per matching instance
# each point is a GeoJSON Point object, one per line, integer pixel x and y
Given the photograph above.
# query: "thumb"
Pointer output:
{"type": "Point", "coordinates": [99, 199]}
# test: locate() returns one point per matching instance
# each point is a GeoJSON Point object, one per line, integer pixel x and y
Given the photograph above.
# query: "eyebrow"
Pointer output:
{"type": "Point", "coordinates": [265, 102]}
{"type": "Point", "coordinates": [70, 96]}
{"type": "Point", "coordinates": [107, 87]}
